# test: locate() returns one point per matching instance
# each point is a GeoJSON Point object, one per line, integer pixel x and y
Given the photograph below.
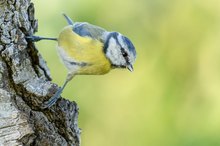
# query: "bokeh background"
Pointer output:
{"type": "Point", "coordinates": [173, 96]}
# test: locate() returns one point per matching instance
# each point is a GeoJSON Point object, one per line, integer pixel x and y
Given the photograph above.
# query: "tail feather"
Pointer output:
{"type": "Point", "coordinates": [68, 19]}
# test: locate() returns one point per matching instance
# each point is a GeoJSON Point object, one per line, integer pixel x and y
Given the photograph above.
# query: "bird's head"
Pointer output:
{"type": "Point", "coordinates": [119, 50]}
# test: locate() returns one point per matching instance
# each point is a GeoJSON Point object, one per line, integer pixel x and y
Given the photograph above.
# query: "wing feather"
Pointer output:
{"type": "Point", "coordinates": [85, 29]}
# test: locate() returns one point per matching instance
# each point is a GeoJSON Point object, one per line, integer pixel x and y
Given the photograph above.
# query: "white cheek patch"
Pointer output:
{"type": "Point", "coordinates": [114, 53]}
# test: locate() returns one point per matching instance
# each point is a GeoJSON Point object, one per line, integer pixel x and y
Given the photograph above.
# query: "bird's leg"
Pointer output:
{"type": "Point", "coordinates": [38, 38]}
{"type": "Point", "coordinates": [56, 96]}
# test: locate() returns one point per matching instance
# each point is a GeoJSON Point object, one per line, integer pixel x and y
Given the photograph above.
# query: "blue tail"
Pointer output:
{"type": "Point", "coordinates": [68, 19]}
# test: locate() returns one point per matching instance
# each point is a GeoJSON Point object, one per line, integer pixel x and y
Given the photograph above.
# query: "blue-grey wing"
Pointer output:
{"type": "Point", "coordinates": [89, 30]}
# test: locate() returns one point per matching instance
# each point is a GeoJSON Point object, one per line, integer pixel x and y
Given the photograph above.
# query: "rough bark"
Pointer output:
{"type": "Point", "coordinates": [25, 84]}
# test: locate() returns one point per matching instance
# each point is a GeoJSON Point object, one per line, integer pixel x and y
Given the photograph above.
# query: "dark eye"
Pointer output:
{"type": "Point", "coordinates": [124, 54]}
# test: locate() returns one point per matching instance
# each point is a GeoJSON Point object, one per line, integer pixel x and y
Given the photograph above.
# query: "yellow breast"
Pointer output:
{"type": "Point", "coordinates": [84, 49]}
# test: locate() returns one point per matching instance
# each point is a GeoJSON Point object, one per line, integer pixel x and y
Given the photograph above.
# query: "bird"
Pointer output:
{"type": "Point", "coordinates": [87, 49]}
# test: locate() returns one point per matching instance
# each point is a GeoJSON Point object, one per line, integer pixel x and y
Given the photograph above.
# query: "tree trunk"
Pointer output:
{"type": "Point", "coordinates": [25, 84]}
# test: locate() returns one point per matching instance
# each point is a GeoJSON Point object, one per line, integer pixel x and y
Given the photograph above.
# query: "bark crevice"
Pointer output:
{"type": "Point", "coordinates": [25, 83]}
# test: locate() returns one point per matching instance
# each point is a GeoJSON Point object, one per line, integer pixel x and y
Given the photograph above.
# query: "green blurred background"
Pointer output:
{"type": "Point", "coordinates": [173, 96]}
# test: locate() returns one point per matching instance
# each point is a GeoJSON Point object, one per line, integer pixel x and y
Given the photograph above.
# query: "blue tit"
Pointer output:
{"type": "Point", "coordinates": [86, 49]}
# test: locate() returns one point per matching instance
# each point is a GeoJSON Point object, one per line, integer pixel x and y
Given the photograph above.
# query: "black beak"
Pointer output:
{"type": "Point", "coordinates": [130, 67]}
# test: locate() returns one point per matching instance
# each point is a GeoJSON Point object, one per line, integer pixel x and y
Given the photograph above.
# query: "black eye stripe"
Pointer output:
{"type": "Point", "coordinates": [123, 52]}
{"type": "Point", "coordinates": [125, 55]}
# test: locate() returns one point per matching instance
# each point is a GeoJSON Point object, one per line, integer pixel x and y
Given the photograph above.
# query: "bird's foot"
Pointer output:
{"type": "Point", "coordinates": [52, 100]}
